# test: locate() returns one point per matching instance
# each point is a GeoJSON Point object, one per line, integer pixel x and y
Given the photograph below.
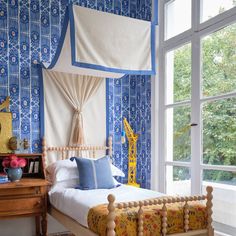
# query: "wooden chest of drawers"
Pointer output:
{"type": "Point", "coordinates": [28, 197]}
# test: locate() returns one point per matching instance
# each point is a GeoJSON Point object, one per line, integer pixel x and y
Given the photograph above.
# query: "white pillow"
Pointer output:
{"type": "Point", "coordinates": [66, 170]}
{"type": "Point", "coordinates": [69, 183]}
{"type": "Point", "coordinates": [73, 183]}
{"type": "Point", "coordinates": [117, 184]}
{"type": "Point", "coordinates": [116, 171]}
{"type": "Point", "coordinates": [62, 170]}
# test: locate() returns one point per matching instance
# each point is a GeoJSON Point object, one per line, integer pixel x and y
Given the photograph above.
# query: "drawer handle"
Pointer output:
{"type": "Point", "coordinates": [37, 190]}
{"type": "Point", "coordinates": [38, 203]}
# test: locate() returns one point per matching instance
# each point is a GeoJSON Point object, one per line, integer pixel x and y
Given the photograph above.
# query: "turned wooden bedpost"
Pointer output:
{"type": "Point", "coordinates": [63, 156]}
{"type": "Point", "coordinates": [140, 220]}
{"type": "Point", "coordinates": [110, 146]}
{"type": "Point", "coordinates": [164, 218]}
{"type": "Point", "coordinates": [209, 205]}
{"type": "Point", "coordinates": [111, 216]}
{"type": "Point", "coordinates": [44, 150]}
{"type": "Point", "coordinates": [186, 216]}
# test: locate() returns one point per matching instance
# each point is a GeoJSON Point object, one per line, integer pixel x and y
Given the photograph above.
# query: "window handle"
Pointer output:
{"type": "Point", "coordinates": [193, 124]}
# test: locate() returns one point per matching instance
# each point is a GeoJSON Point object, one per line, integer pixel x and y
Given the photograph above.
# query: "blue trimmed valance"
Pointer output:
{"type": "Point", "coordinates": [104, 44]}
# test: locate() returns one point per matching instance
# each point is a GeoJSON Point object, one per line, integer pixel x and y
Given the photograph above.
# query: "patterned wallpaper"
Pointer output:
{"type": "Point", "coordinates": [29, 31]}
{"type": "Point", "coordinates": [130, 97]}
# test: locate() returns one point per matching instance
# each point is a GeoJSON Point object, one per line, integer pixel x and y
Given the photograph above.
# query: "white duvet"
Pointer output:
{"type": "Point", "coordinates": [76, 203]}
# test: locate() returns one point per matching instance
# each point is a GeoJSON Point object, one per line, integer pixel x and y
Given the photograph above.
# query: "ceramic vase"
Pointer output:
{"type": "Point", "coordinates": [14, 174]}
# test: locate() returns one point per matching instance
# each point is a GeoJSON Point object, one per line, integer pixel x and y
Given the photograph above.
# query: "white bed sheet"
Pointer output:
{"type": "Point", "coordinates": [76, 203]}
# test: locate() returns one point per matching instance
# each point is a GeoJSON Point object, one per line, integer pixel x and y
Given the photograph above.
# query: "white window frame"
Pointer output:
{"type": "Point", "coordinates": [193, 36]}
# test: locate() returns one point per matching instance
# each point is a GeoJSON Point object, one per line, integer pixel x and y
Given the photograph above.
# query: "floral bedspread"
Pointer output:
{"type": "Point", "coordinates": [127, 219]}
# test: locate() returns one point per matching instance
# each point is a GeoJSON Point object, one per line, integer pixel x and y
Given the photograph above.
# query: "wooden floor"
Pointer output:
{"type": "Point", "coordinates": [61, 234]}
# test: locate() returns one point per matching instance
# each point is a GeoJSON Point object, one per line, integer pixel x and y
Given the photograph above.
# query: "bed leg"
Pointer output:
{"type": "Point", "coordinates": [37, 225]}
{"type": "Point", "coordinates": [111, 216]}
{"type": "Point", "coordinates": [209, 205]}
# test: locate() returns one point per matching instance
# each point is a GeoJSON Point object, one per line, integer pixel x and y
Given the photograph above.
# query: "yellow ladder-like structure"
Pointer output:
{"type": "Point", "coordinates": [133, 138]}
{"type": "Point", "coordinates": [5, 104]}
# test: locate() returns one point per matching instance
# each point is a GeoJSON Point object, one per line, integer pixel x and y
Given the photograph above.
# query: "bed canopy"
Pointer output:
{"type": "Point", "coordinates": [93, 46]}
{"type": "Point", "coordinates": [103, 44]}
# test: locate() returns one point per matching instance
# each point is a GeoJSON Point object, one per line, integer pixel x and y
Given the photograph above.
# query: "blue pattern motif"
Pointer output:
{"type": "Point", "coordinates": [131, 98]}
{"type": "Point", "coordinates": [30, 31]}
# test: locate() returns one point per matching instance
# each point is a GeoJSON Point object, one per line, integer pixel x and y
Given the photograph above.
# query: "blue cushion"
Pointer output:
{"type": "Point", "coordinates": [94, 173]}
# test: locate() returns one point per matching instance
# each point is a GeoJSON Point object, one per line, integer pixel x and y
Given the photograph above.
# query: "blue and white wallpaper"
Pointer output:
{"type": "Point", "coordinates": [29, 31]}
{"type": "Point", "coordinates": [130, 97]}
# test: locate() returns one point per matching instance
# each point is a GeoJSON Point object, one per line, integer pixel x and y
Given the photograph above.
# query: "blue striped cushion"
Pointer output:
{"type": "Point", "coordinates": [94, 174]}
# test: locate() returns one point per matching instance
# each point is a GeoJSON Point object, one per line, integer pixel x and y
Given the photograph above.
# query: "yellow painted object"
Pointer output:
{"type": "Point", "coordinates": [5, 126]}
{"type": "Point", "coordinates": [5, 104]}
{"type": "Point", "coordinates": [132, 138]}
{"type": "Point", "coordinates": [5, 131]}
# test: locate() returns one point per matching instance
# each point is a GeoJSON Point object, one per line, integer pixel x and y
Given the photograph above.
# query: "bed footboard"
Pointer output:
{"type": "Point", "coordinates": [163, 201]}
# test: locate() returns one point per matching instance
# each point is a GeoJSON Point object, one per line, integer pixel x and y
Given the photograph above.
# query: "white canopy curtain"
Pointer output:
{"type": "Point", "coordinates": [77, 90]}
{"type": "Point", "coordinates": [92, 44]}
{"type": "Point", "coordinates": [60, 109]}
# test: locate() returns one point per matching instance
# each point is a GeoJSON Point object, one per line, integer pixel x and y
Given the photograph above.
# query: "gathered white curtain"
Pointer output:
{"type": "Point", "coordinates": [78, 90]}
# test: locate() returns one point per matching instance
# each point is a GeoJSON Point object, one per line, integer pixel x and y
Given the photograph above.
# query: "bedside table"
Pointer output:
{"type": "Point", "coordinates": [25, 198]}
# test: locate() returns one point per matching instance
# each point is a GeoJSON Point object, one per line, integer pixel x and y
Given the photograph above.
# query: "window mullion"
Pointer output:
{"type": "Point", "coordinates": [217, 25]}
{"type": "Point", "coordinates": [161, 174]}
{"type": "Point", "coordinates": [218, 97]}
{"type": "Point", "coordinates": [176, 104]}
{"type": "Point", "coordinates": [177, 163]}
{"type": "Point", "coordinates": [196, 118]}
{"type": "Point", "coordinates": [221, 19]}
{"type": "Point", "coordinates": [196, 11]}
{"type": "Point", "coordinates": [178, 40]}
{"type": "Point", "coordinates": [218, 167]}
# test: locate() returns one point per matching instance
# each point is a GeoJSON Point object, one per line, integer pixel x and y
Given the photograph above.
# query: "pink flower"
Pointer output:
{"type": "Point", "coordinates": [14, 163]}
{"type": "Point", "coordinates": [6, 163]}
{"type": "Point", "coordinates": [13, 157]}
{"type": "Point", "coordinates": [21, 162]}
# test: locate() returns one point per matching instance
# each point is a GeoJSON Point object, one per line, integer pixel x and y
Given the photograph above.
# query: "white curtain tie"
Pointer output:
{"type": "Point", "coordinates": [78, 111]}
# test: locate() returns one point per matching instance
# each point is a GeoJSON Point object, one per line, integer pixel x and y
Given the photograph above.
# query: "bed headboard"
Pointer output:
{"type": "Point", "coordinates": [63, 151]}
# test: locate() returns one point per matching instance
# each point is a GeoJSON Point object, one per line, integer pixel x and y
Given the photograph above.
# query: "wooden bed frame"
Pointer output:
{"type": "Point", "coordinates": [80, 230]}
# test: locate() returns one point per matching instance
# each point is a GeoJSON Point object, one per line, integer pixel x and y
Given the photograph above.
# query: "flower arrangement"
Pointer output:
{"type": "Point", "coordinates": [12, 161]}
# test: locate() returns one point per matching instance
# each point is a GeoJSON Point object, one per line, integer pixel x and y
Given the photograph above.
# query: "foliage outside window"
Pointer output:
{"type": "Point", "coordinates": [219, 117]}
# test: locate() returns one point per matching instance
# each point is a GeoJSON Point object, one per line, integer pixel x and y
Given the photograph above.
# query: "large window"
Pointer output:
{"type": "Point", "coordinates": [197, 102]}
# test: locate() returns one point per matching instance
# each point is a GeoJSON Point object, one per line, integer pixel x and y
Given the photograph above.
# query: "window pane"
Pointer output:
{"type": "Point", "coordinates": [211, 8]}
{"type": "Point", "coordinates": [218, 62]}
{"type": "Point", "coordinates": [224, 192]}
{"type": "Point", "coordinates": [178, 134]}
{"type": "Point", "coordinates": [178, 74]}
{"type": "Point", "coordinates": [219, 132]}
{"type": "Point", "coordinates": [178, 180]}
{"type": "Point", "coordinates": [176, 20]}
{"type": "Point", "coordinates": [220, 176]}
